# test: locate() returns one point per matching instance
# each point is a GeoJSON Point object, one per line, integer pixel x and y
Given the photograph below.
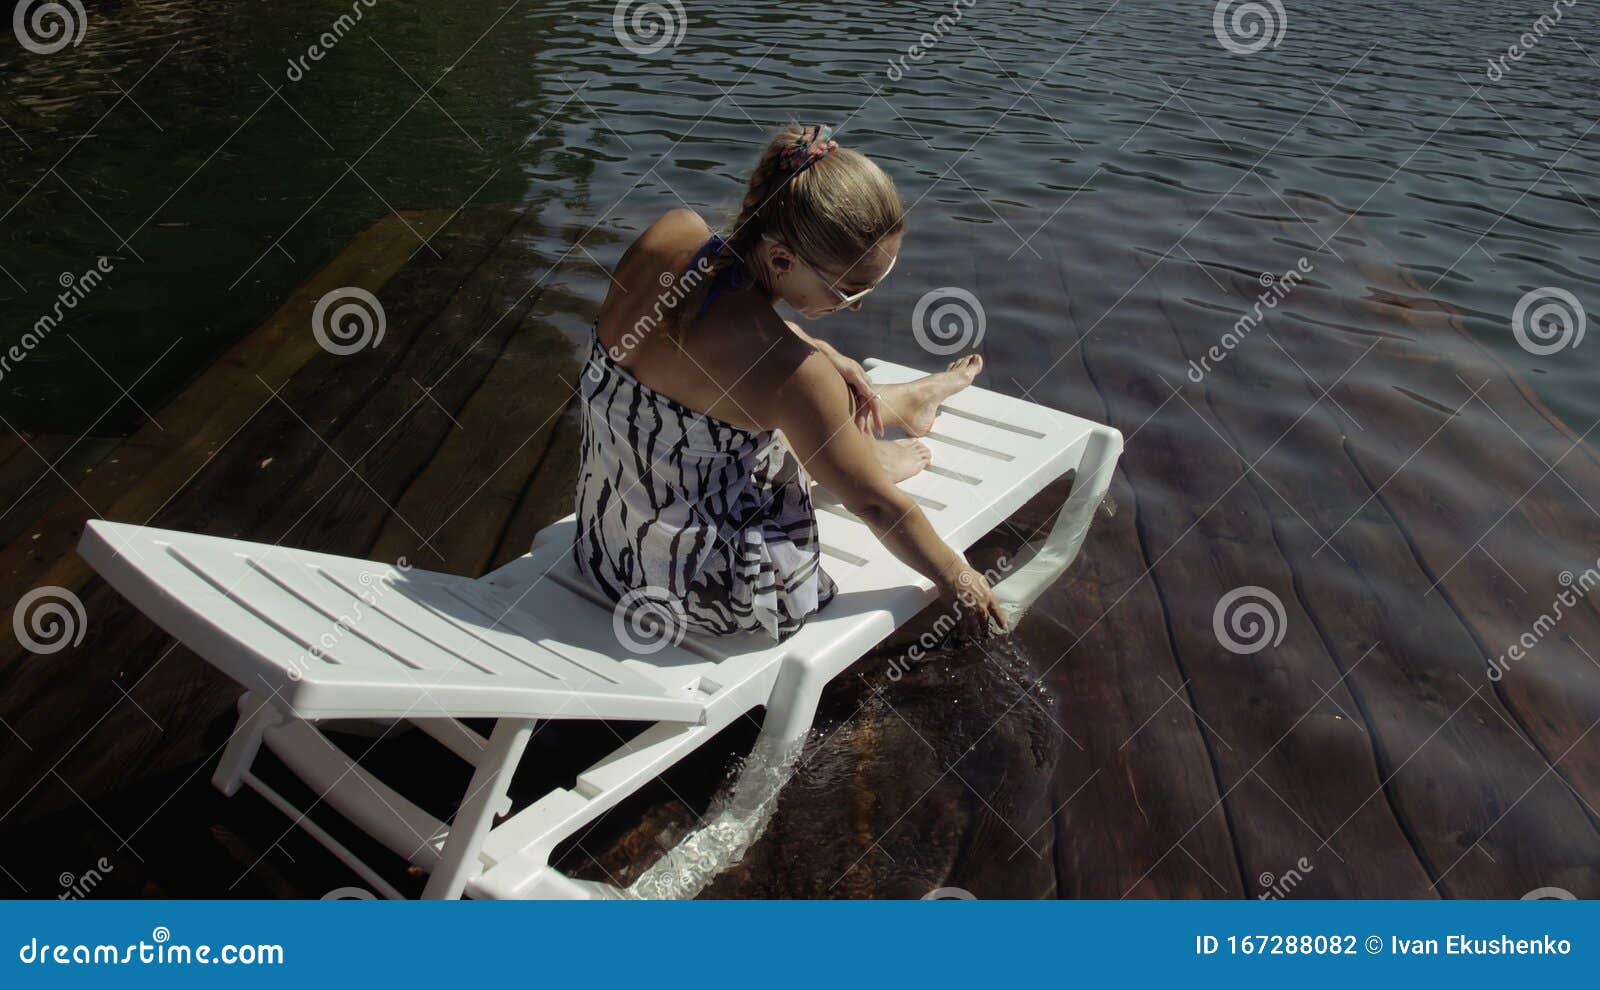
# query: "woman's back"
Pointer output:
{"type": "Point", "coordinates": [733, 346]}
{"type": "Point", "coordinates": [691, 516]}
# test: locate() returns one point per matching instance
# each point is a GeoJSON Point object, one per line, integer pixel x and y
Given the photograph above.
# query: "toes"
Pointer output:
{"type": "Point", "coordinates": [967, 365]}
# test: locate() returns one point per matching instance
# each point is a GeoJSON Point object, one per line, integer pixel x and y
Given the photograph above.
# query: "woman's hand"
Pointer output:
{"type": "Point", "coordinates": [968, 594]}
{"type": "Point", "coordinates": [868, 416]}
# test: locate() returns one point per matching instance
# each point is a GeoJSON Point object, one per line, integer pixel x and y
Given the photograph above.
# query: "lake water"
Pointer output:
{"type": "Point", "coordinates": [214, 165]}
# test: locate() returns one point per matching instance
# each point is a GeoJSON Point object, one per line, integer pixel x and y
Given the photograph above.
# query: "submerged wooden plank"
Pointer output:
{"type": "Point", "coordinates": [45, 469]}
{"type": "Point", "coordinates": [1295, 768]}
{"type": "Point", "coordinates": [261, 472]}
{"type": "Point", "coordinates": [154, 464]}
{"type": "Point", "coordinates": [1451, 762]}
{"type": "Point", "coordinates": [467, 495]}
{"type": "Point", "coordinates": [1496, 500]}
{"type": "Point", "coordinates": [1134, 790]}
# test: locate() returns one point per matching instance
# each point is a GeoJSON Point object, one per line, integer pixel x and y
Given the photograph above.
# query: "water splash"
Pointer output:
{"type": "Point", "coordinates": [739, 814]}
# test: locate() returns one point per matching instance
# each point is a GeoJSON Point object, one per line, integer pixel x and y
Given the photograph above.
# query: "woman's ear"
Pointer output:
{"type": "Point", "coordinates": [779, 259]}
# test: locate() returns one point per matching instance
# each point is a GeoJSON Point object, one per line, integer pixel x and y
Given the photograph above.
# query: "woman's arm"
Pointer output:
{"type": "Point", "coordinates": [813, 410]}
{"type": "Point", "coordinates": [868, 415]}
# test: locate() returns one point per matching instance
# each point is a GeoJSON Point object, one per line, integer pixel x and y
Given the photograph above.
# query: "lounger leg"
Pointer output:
{"type": "Point", "coordinates": [255, 718]}
{"type": "Point", "coordinates": [793, 703]}
{"type": "Point", "coordinates": [458, 861]}
{"type": "Point", "coordinates": [1018, 590]}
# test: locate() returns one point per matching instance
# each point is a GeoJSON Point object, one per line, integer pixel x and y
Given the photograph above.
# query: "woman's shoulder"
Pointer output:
{"type": "Point", "coordinates": [674, 231]}
{"type": "Point", "coordinates": [749, 343]}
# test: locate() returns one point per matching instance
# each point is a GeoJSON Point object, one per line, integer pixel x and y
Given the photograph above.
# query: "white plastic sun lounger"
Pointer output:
{"type": "Point", "coordinates": [312, 637]}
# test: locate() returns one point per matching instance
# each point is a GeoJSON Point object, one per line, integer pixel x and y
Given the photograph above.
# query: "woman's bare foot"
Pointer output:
{"type": "Point", "coordinates": [913, 406]}
{"type": "Point", "coordinates": [902, 458]}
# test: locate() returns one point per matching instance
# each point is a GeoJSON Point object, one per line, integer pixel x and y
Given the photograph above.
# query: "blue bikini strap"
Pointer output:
{"type": "Point", "coordinates": [735, 276]}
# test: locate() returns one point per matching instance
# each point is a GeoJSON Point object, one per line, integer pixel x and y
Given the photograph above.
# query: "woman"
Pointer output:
{"type": "Point", "coordinates": [687, 494]}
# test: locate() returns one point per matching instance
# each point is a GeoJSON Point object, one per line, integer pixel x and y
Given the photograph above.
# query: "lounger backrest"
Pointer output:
{"type": "Point", "coordinates": [327, 636]}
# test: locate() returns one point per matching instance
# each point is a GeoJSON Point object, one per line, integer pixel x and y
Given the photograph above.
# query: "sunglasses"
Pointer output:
{"type": "Point", "coordinates": [844, 299]}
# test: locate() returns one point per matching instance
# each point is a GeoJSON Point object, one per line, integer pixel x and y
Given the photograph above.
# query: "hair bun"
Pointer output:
{"type": "Point", "coordinates": [813, 143]}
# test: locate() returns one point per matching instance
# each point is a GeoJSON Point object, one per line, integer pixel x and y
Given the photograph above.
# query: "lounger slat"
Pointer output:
{"type": "Point", "coordinates": [993, 448]}
{"type": "Point", "coordinates": [365, 620]}
{"type": "Point", "coordinates": [288, 621]}
{"type": "Point", "coordinates": [335, 635]}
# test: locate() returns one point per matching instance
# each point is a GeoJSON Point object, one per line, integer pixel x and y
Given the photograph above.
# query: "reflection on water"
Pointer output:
{"type": "Point", "coordinates": [176, 139]}
{"type": "Point", "coordinates": [1099, 173]}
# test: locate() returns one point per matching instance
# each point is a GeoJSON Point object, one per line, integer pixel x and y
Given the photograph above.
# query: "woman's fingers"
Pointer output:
{"type": "Point", "coordinates": [999, 613]}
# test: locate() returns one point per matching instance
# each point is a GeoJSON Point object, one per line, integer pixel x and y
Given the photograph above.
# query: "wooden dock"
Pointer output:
{"type": "Point", "coordinates": [1406, 497]}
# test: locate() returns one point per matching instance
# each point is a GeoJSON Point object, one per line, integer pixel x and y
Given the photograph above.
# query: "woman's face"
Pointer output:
{"type": "Point", "coordinates": [815, 291]}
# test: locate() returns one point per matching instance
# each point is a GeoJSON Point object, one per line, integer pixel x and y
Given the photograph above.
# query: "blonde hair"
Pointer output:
{"type": "Point", "coordinates": [831, 209]}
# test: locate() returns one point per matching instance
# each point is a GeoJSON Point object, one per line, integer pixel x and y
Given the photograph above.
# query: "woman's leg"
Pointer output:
{"type": "Point", "coordinates": [900, 459]}
{"type": "Point", "coordinates": [913, 405]}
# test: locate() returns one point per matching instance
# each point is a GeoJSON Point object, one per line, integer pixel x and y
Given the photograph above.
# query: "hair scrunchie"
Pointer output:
{"type": "Point", "coordinates": [813, 143]}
